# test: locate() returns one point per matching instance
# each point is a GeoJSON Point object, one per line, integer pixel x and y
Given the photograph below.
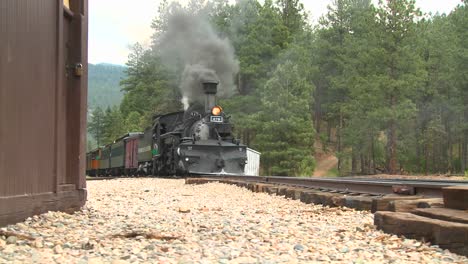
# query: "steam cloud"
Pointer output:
{"type": "Point", "coordinates": [191, 45]}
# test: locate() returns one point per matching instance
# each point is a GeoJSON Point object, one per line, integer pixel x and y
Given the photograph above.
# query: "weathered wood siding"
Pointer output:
{"type": "Point", "coordinates": [42, 107]}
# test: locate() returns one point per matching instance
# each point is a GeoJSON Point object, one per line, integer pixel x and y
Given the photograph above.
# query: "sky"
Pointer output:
{"type": "Point", "coordinates": [114, 25]}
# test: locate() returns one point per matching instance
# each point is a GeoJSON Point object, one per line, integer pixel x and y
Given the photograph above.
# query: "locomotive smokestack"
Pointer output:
{"type": "Point", "coordinates": [210, 89]}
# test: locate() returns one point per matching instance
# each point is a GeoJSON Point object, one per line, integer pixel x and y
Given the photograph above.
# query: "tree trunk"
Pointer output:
{"type": "Point", "coordinates": [353, 163]}
{"type": "Point", "coordinates": [391, 148]}
{"type": "Point", "coordinates": [426, 158]}
{"type": "Point", "coordinates": [460, 155]}
{"type": "Point", "coordinates": [448, 147]}
{"type": "Point", "coordinates": [338, 135]}
{"type": "Point", "coordinates": [329, 129]}
{"type": "Point", "coordinates": [368, 165]}
{"type": "Point", "coordinates": [465, 136]}
{"type": "Point", "coordinates": [464, 151]}
{"type": "Point", "coordinates": [317, 110]}
{"type": "Point", "coordinates": [419, 153]}
{"type": "Point", "coordinates": [363, 165]}
{"type": "Point", "coordinates": [450, 156]}
{"type": "Point", "coordinates": [392, 136]}
{"type": "Point", "coordinates": [373, 156]}
{"type": "Point", "coordinates": [434, 161]}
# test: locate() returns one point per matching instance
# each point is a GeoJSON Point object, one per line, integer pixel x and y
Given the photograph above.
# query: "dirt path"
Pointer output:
{"type": "Point", "coordinates": [325, 163]}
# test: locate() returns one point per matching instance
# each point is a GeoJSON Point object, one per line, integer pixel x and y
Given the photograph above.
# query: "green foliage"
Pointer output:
{"type": "Point", "coordinates": [106, 126]}
{"type": "Point", "coordinates": [333, 173]}
{"type": "Point", "coordinates": [267, 38]}
{"type": "Point", "coordinates": [112, 125]}
{"type": "Point", "coordinates": [96, 125]}
{"type": "Point", "coordinates": [103, 91]}
{"type": "Point", "coordinates": [134, 121]}
{"type": "Point", "coordinates": [150, 87]}
{"type": "Point", "coordinates": [285, 133]}
{"type": "Point", "coordinates": [388, 86]}
{"type": "Point", "coordinates": [383, 86]}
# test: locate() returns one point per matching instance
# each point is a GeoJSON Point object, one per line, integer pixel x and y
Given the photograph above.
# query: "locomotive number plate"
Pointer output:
{"type": "Point", "coordinates": [216, 119]}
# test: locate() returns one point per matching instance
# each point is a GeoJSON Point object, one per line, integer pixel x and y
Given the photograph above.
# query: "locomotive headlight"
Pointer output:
{"type": "Point", "coordinates": [216, 110]}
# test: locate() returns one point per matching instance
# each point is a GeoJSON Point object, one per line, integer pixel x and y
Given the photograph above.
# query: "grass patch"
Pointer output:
{"type": "Point", "coordinates": [333, 173]}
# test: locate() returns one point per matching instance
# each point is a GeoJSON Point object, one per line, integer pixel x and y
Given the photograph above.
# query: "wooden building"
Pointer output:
{"type": "Point", "coordinates": [43, 93]}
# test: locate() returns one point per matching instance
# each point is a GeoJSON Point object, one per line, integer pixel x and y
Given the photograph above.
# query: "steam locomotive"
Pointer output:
{"type": "Point", "coordinates": [196, 141]}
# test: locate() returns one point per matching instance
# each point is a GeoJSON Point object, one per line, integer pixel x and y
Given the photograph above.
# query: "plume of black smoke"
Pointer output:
{"type": "Point", "coordinates": [190, 45]}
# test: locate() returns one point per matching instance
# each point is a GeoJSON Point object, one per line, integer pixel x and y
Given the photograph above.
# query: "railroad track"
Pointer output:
{"type": "Point", "coordinates": [99, 178]}
{"type": "Point", "coordinates": [426, 188]}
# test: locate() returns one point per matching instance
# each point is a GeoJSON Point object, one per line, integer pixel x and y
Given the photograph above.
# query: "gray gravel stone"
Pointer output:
{"type": "Point", "coordinates": [212, 223]}
{"type": "Point", "coordinates": [299, 247]}
{"type": "Point", "coordinates": [344, 250]}
{"type": "Point", "coordinates": [11, 240]}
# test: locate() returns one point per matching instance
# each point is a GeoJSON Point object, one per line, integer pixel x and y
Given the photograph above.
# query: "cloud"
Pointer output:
{"type": "Point", "coordinates": [114, 25]}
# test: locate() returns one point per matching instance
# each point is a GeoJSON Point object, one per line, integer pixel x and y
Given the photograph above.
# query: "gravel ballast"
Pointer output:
{"type": "Point", "coordinates": [166, 221]}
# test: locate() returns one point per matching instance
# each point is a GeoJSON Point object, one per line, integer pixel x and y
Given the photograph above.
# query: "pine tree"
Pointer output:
{"type": "Point", "coordinates": [403, 70]}
{"type": "Point", "coordinates": [286, 133]}
{"type": "Point", "coordinates": [459, 20]}
{"type": "Point", "coordinates": [96, 125]}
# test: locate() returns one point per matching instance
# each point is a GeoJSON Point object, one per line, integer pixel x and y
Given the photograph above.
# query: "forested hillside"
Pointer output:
{"type": "Point", "coordinates": [385, 86]}
{"type": "Point", "coordinates": [103, 85]}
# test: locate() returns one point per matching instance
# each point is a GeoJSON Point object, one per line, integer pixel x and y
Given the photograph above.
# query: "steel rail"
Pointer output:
{"type": "Point", "coordinates": [91, 178]}
{"type": "Point", "coordinates": [462, 182]}
{"type": "Point", "coordinates": [429, 188]}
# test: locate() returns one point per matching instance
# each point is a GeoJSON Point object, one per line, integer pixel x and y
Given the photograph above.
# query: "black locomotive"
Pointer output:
{"type": "Point", "coordinates": [196, 141]}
